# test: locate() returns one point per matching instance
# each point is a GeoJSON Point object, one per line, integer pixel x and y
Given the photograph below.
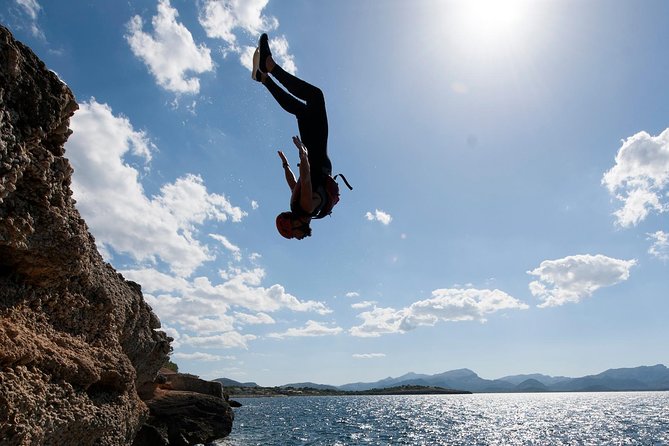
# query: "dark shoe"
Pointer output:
{"type": "Point", "coordinates": [263, 46]}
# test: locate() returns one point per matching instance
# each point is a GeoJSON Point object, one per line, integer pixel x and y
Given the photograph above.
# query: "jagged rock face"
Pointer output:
{"type": "Point", "coordinates": [76, 339]}
{"type": "Point", "coordinates": [185, 418]}
{"type": "Point", "coordinates": [184, 410]}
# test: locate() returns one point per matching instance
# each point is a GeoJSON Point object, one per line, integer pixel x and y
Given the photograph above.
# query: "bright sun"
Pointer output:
{"type": "Point", "coordinates": [492, 22]}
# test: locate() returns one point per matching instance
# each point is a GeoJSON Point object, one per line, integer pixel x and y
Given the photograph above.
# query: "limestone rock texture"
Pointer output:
{"type": "Point", "coordinates": [76, 339]}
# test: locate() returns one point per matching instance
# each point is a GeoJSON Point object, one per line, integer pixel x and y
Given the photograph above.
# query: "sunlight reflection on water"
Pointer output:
{"type": "Point", "coordinates": [639, 418]}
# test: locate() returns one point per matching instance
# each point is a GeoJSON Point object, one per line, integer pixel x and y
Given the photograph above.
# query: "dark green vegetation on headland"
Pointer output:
{"type": "Point", "coordinates": [241, 391]}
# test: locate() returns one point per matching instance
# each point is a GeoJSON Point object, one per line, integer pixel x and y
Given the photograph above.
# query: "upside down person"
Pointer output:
{"type": "Point", "coordinates": [307, 103]}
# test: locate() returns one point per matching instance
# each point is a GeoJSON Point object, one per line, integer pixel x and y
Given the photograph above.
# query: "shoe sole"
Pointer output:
{"type": "Point", "coordinates": [256, 64]}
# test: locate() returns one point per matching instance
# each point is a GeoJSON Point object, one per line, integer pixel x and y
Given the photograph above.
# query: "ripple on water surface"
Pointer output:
{"type": "Point", "coordinates": [635, 418]}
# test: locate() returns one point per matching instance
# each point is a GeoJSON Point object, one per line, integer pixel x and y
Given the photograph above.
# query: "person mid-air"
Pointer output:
{"type": "Point", "coordinates": [315, 192]}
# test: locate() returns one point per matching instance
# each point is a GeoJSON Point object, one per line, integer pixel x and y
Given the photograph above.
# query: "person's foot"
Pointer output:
{"type": "Point", "coordinates": [263, 46]}
{"type": "Point", "coordinates": [256, 74]}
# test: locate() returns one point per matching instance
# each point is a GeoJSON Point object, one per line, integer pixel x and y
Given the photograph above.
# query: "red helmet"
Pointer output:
{"type": "Point", "coordinates": [284, 223]}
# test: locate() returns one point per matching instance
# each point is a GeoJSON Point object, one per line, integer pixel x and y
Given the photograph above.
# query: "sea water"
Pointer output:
{"type": "Point", "coordinates": [622, 418]}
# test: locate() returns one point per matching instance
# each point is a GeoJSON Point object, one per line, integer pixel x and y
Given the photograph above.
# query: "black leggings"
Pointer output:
{"type": "Point", "coordinates": [312, 120]}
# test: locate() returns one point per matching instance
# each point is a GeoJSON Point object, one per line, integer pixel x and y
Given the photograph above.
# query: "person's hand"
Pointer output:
{"type": "Point", "coordinates": [301, 148]}
{"type": "Point", "coordinates": [283, 158]}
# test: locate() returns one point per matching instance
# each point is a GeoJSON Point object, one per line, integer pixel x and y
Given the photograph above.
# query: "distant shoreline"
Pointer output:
{"type": "Point", "coordinates": [252, 392]}
{"type": "Point", "coordinates": [278, 392]}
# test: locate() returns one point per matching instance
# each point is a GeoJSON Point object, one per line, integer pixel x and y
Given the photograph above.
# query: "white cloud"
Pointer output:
{"type": "Point", "coordinates": [221, 18]}
{"type": "Point", "coordinates": [170, 53]}
{"type": "Point", "coordinates": [173, 333]}
{"type": "Point", "coordinates": [254, 205]}
{"type": "Point", "coordinates": [242, 288]}
{"type": "Point", "coordinates": [640, 177]}
{"type": "Point", "coordinates": [312, 328]}
{"type": "Point", "coordinates": [379, 216]}
{"type": "Point", "coordinates": [254, 319]}
{"type": "Point", "coordinates": [112, 200]}
{"type": "Point", "coordinates": [576, 277]}
{"type": "Point", "coordinates": [31, 7]}
{"type": "Point", "coordinates": [234, 249]}
{"type": "Point", "coordinates": [352, 294]}
{"type": "Point", "coordinates": [280, 54]}
{"type": "Point", "coordinates": [201, 311]}
{"type": "Point", "coordinates": [199, 356]}
{"type": "Point", "coordinates": [191, 314]}
{"type": "Point", "coordinates": [660, 246]}
{"type": "Point", "coordinates": [363, 304]}
{"type": "Point", "coordinates": [445, 305]}
{"type": "Point", "coordinates": [368, 355]}
{"type": "Point", "coordinates": [224, 19]}
{"type": "Point", "coordinates": [378, 321]}
{"type": "Point", "coordinates": [153, 281]}
{"type": "Point", "coordinates": [231, 339]}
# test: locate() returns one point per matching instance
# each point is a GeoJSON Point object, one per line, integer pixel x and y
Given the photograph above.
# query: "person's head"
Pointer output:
{"type": "Point", "coordinates": [292, 226]}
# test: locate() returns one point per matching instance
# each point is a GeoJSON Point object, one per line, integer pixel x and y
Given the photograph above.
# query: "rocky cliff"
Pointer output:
{"type": "Point", "coordinates": [76, 339]}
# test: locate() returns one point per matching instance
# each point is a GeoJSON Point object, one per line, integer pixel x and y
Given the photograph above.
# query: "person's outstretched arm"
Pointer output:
{"type": "Point", "coordinates": [290, 177]}
{"type": "Point", "coordinates": [306, 194]}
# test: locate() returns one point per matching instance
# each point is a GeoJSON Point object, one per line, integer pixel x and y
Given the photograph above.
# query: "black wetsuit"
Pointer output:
{"type": "Point", "coordinates": [312, 122]}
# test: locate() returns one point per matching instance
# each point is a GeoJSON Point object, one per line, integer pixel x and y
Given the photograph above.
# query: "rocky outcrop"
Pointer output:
{"type": "Point", "coordinates": [76, 339]}
{"type": "Point", "coordinates": [191, 383]}
{"type": "Point", "coordinates": [183, 410]}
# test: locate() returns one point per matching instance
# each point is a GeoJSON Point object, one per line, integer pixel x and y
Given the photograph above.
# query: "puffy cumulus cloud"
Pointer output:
{"type": "Point", "coordinates": [221, 18]}
{"type": "Point", "coordinates": [201, 313]}
{"type": "Point", "coordinates": [242, 288]}
{"type": "Point", "coordinates": [225, 19]}
{"type": "Point", "coordinates": [576, 277]}
{"type": "Point", "coordinates": [199, 356]}
{"type": "Point", "coordinates": [660, 246]}
{"type": "Point", "coordinates": [368, 355]}
{"type": "Point", "coordinates": [640, 177]}
{"type": "Point", "coordinates": [352, 294]}
{"type": "Point", "coordinates": [153, 281]}
{"type": "Point", "coordinates": [191, 315]}
{"type": "Point", "coordinates": [312, 328]}
{"type": "Point", "coordinates": [254, 319]}
{"type": "Point", "coordinates": [444, 305]}
{"type": "Point", "coordinates": [170, 52]}
{"type": "Point", "coordinates": [112, 200]}
{"type": "Point", "coordinates": [377, 322]}
{"type": "Point", "coordinates": [231, 339]}
{"type": "Point", "coordinates": [458, 305]}
{"type": "Point", "coordinates": [380, 216]}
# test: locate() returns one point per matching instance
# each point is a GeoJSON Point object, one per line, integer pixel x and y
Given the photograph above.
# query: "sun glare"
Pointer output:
{"type": "Point", "coordinates": [492, 22]}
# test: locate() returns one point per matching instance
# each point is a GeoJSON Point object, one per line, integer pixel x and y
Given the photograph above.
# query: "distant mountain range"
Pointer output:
{"type": "Point", "coordinates": [625, 379]}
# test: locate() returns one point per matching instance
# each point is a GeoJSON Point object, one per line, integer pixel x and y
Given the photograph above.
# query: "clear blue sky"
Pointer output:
{"type": "Point", "coordinates": [510, 164]}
